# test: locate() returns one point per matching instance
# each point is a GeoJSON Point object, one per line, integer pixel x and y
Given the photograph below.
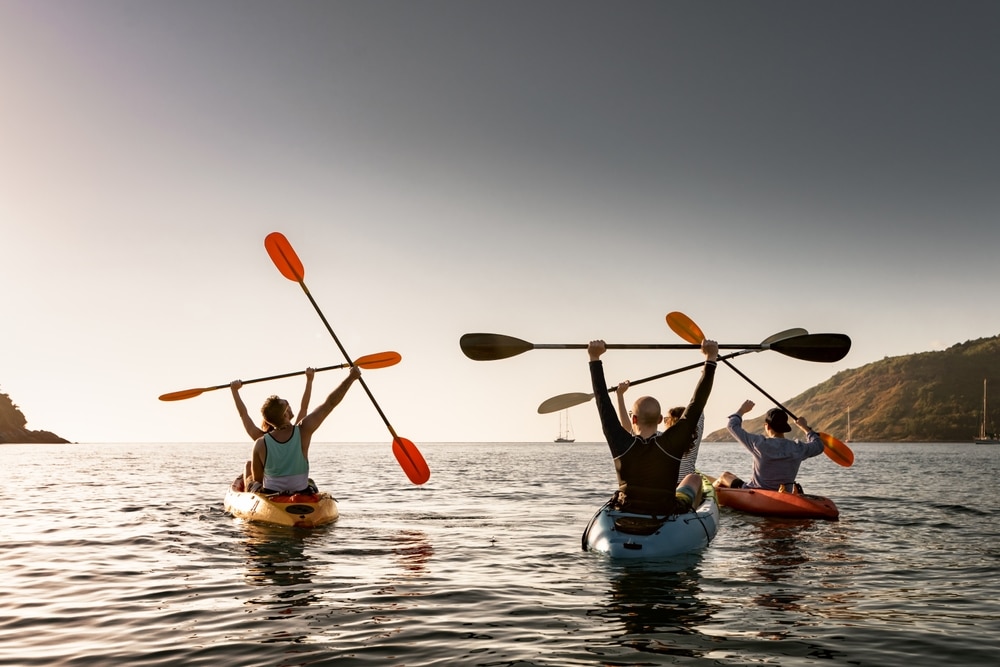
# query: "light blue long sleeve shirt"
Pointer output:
{"type": "Point", "coordinates": [775, 460]}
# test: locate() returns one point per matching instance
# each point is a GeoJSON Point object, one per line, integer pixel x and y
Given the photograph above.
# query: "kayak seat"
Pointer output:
{"type": "Point", "coordinates": [794, 487]}
{"type": "Point", "coordinates": [294, 498]}
{"type": "Point", "coordinates": [637, 525]}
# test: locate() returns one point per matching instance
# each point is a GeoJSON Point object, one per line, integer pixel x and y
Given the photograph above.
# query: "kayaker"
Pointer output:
{"type": "Point", "coordinates": [252, 429]}
{"type": "Point", "coordinates": [628, 421]}
{"type": "Point", "coordinates": [776, 459]}
{"type": "Point", "coordinates": [280, 458]}
{"type": "Point", "coordinates": [647, 462]}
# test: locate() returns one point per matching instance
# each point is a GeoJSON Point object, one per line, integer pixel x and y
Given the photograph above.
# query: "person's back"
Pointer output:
{"type": "Point", "coordinates": [688, 462]}
{"type": "Point", "coordinates": [286, 468]}
{"type": "Point", "coordinates": [290, 443]}
{"type": "Point", "coordinates": [776, 459]}
{"type": "Point", "coordinates": [647, 461]}
{"type": "Point", "coordinates": [246, 480]}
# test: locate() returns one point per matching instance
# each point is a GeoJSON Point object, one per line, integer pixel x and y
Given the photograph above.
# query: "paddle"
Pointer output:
{"type": "Point", "coordinates": [808, 347]}
{"type": "Point", "coordinates": [563, 401]}
{"type": "Point", "coordinates": [684, 327]}
{"type": "Point", "coordinates": [407, 455]}
{"type": "Point", "coordinates": [379, 360]}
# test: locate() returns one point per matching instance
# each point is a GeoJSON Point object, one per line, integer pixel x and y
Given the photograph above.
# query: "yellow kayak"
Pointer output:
{"type": "Point", "coordinates": [299, 510]}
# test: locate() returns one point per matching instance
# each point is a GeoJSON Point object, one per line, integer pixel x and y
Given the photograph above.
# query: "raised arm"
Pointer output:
{"type": "Point", "coordinates": [813, 443]}
{"type": "Point", "coordinates": [735, 427]}
{"type": "Point", "coordinates": [619, 439]}
{"type": "Point", "coordinates": [623, 414]}
{"type": "Point", "coordinates": [701, 392]}
{"type": "Point", "coordinates": [252, 430]}
{"type": "Point", "coordinates": [313, 420]}
{"type": "Point", "coordinates": [306, 395]}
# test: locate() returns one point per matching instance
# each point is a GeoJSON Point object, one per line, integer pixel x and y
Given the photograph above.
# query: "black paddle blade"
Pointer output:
{"type": "Point", "coordinates": [490, 347]}
{"type": "Point", "coordinates": [824, 348]}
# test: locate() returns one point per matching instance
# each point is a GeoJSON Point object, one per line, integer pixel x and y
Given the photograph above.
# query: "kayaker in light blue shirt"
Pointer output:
{"type": "Point", "coordinates": [252, 429]}
{"type": "Point", "coordinates": [776, 459]}
{"type": "Point", "coordinates": [278, 456]}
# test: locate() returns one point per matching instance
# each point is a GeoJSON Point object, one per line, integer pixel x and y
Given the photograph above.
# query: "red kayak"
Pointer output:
{"type": "Point", "coordinates": [777, 503]}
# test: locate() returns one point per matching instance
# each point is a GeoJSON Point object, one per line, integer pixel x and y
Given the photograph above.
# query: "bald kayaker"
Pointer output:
{"type": "Point", "coordinates": [647, 461]}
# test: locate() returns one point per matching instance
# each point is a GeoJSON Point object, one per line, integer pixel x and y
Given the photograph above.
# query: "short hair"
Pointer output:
{"type": "Point", "coordinates": [273, 410]}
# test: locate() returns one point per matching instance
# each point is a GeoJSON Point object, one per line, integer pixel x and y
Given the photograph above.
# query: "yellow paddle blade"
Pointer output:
{"type": "Point", "coordinates": [378, 360]}
{"type": "Point", "coordinates": [684, 326]}
{"type": "Point", "coordinates": [838, 452]}
{"type": "Point", "coordinates": [181, 395]}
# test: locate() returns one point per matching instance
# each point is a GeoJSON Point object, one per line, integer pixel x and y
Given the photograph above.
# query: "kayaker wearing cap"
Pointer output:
{"type": "Point", "coordinates": [776, 459]}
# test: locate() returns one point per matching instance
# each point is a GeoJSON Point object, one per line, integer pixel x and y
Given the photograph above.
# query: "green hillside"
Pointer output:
{"type": "Point", "coordinates": [925, 397]}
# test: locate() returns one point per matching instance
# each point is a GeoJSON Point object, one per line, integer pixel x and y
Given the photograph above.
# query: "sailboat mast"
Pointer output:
{"type": "Point", "coordinates": [982, 429]}
{"type": "Point", "coordinates": [565, 430]}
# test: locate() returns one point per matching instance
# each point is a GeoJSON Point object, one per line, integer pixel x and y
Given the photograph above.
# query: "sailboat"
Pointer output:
{"type": "Point", "coordinates": [984, 438]}
{"type": "Point", "coordinates": [848, 424]}
{"type": "Point", "coordinates": [565, 430]}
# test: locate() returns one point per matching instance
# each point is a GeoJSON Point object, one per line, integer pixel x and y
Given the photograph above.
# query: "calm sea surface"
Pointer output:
{"type": "Point", "coordinates": [122, 554]}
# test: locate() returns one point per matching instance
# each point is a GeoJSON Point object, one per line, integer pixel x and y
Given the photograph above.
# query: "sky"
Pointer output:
{"type": "Point", "coordinates": [554, 171]}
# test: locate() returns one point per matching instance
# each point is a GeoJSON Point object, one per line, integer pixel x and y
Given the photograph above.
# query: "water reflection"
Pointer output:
{"type": "Point", "coordinates": [775, 546]}
{"type": "Point", "coordinates": [660, 607]}
{"type": "Point", "coordinates": [278, 562]}
{"type": "Point", "coordinates": [412, 550]}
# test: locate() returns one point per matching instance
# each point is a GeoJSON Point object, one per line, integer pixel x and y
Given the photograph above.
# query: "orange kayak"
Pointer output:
{"type": "Point", "coordinates": [777, 503]}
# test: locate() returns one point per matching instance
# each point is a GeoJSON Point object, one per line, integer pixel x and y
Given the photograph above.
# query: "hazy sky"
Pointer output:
{"type": "Point", "coordinates": [555, 171]}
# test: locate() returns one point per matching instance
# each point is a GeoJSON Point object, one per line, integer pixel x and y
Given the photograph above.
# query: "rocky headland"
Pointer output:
{"type": "Point", "coordinates": [13, 426]}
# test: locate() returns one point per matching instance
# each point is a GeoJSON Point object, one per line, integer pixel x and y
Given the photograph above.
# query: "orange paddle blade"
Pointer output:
{"type": "Point", "coordinates": [838, 452]}
{"type": "Point", "coordinates": [410, 460]}
{"type": "Point", "coordinates": [284, 257]}
{"type": "Point", "coordinates": [378, 360]}
{"type": "Point", "coordinates": [684, 326]}
{"type": "Point", "coordinates": [181, 395]}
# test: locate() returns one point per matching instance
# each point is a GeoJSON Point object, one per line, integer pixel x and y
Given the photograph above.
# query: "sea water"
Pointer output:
{"type": "Point", "coordinates": [122, 554]}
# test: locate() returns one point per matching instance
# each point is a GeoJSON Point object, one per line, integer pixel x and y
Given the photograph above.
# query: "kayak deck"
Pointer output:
{"type": "Point", "coordinates": [764, 502]}
{"type": "Point", "coordinates": [627, 535]}
{"type": "Point", "coordinates": [299, 510]}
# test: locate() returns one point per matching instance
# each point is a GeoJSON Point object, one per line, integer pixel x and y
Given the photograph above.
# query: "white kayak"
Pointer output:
{"type": "Point", "coordinates": [627, 535]}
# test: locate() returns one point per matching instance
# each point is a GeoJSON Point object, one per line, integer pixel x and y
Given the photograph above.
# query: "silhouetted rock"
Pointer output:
{"type": "Point", "coordinates": [12, 426]}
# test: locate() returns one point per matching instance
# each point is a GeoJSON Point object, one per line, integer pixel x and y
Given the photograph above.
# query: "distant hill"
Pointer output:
{"type": "Point", "coordinates": [925, 397]}
{"type": "Point", "coordinates": [12, 426]}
